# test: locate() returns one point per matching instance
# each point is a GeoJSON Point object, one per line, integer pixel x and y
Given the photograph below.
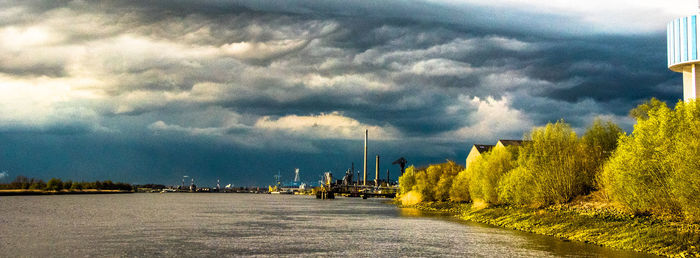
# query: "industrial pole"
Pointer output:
{"type": "Point", "coordinates": [352, 169]}
{"type": "Point", "coordinates": [364, 181]}
{"type": "Point", "coordinates": [387, 177]}
{"type": "Point", "coordinates": [376, 173]}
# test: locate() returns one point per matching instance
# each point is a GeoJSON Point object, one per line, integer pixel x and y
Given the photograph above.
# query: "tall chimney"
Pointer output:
{"type": "Point", "coordinates": [376, 173]}
{"type": "Point", "coordinates": [364, 182]}
{"type": "Point", "coordinates": [387, 177]}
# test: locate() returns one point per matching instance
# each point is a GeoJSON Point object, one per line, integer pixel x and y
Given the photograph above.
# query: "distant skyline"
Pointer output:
{"type": "Point", "coordinates": [150, 91]}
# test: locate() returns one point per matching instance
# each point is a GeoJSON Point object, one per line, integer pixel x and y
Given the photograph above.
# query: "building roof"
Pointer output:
{"type": "Point", "coordinates": [483, 148]}
{"type": "Point", "coordinates": [511, 142]}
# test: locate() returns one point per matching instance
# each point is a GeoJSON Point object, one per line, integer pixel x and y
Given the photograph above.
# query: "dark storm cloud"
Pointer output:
{"type": "Point", "coordinates": [247, 80]}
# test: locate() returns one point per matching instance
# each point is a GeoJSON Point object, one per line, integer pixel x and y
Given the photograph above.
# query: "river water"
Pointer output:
{"type": "Point", "coordinates": [209, 225]}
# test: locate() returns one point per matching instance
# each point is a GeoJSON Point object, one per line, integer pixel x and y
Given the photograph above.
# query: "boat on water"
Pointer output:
{"type": "Point", "coordinates": [293, 187]}
{"type": "Point", "coordinates": [282, 192]}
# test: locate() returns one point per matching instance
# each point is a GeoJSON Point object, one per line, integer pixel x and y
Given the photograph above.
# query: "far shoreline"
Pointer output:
{"type": "Point", "coordinates": [24, 192]}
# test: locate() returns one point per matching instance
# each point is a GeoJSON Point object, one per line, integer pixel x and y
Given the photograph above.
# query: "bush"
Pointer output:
{"type": "Point", "coordinates": [459, 192]}
{"type": "Point", "coordinates": [657, 168]}
{"type": "Point", "coordinates": [600, 141]}
{"type": "Point", "coordinates": [516, 187]}
{"type": "Point", "coordinates": [54, 184]}
{"type": "Point", "coordinates": [411, 198]}
{"type": "Point", "coordinates": [76, 186]}
{"type": "Point", "coordinates": [552, 168]}
{"type": "Point", "coordinates": [486, 171]}
{"type": "Point", "coordinates": [407, 180]}
{"type": "Point", "coordinates": [685, 177]}
{"type": "Point", "coordinates": [433, 183]}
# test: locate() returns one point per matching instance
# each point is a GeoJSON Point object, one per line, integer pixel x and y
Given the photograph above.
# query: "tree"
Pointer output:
{"type": "Point", "coordinates": [76, 186]}
{"type": "Point", "coordinates": [20, 182]}
{"type": "Point", "coordinates": [37, 184]}
{"type": "Point", "coordinates": [550, 168]}
{"type": "Point", "coordinates": [685, 177]}
{"type": "Point", "coordinates": [637, 175]}
{"type": "Point", "coordinates": [459, 191]}
{"type": "Point", "coordinates": [407, 180]}
{"type": "Point", "coordinates": [486, 172]}
{"type": "Point", "coordinates": [446, 173]}
{"type": "Point", "coordinates": [600, 141]}
{"type": "Point", "coordinates": [54, 184]}
{"type": "Point", "coordinates": [67, 184]}
{"type": "Point", "coordinates": [432, 183]}
{"type": "Point", "coordinates": [641, 112]}
{"type": "Point", "coordinates": [517, 187]}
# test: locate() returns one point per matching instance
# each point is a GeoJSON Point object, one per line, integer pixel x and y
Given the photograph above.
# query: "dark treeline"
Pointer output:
{"type": "Point", "coordinates": [151, 186]}
{"type": "Point", "coordinates": [55, 184]}
{"type": "Point", "coordinates": [654, 170]}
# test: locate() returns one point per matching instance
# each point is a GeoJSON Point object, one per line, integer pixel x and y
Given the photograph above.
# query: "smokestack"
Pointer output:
{"type": "Point", "coordinates": [364, 182]}
{"type": "Point", "coordinates": [376, 173]}
{"type": "Point", "coordinates": [387, 177]}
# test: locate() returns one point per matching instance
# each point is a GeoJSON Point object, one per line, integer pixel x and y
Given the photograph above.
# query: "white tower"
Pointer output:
{"type": "Point", "coordinates": [683, 52]}
{"type": "Point", "coordinates": [296, 175]}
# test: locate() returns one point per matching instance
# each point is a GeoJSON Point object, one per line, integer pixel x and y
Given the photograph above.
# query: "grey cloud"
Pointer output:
{"type": "Point", "coordinates": [177, 66]}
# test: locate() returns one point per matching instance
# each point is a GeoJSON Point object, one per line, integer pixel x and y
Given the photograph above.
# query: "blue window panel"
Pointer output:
{"type": "Point", "coordinates": [669, 43]}
{"type": "Point", "coordinates": [684, 39]}
{"type": "Point", "coordinates": [677, 40]}
{"type": "Point", "coordinates": [694, 37]}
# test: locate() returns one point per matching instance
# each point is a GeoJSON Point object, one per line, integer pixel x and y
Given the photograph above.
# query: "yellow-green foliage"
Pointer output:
{"type": "Point", "coordinates": [411, 198]}
{"type": "Point", "coordinates": [486, 171]}
{"type": "Point", "coordinates": [459, 192]}
{"type": "Point", "coordinates": [433, 183]}
{"type": "Point", "coordinates": [685, 177]}
{"type": "Point", "coordinates": [600, 141]}
{"type": "Point", "coordinates": [516, 187]}
{"type": "Point", "coordinates": [657, 168]}
{"type": "Point", "coordinates": [407, 180]}
{"type": "Point", "coordinates": [552, 168]}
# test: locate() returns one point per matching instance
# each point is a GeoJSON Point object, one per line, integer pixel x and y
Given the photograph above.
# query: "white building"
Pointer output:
{"type": "Point", "coordinates": [683, 48]}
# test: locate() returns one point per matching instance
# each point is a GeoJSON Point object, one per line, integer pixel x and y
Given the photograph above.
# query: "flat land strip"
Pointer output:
{"type": "Point", "coordinates": [10, 192]}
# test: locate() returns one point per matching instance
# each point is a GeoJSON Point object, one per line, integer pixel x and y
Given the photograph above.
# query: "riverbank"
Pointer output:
{"type": "Point", "coordinates": [606, 227]}
{"type": "Point", "coordinates": [13, 192]}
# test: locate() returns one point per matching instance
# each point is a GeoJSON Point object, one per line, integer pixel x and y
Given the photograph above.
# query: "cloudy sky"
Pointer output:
{"type": "Point", "coordinates": [149, 91]}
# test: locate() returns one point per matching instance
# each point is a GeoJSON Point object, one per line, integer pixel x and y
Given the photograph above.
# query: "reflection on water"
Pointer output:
{"type": "Point", "coordinates": [549, 244]}
{"type": "Point", "coordinates": [412, 212]}
{"type": "Point", "coordinates": [253, 225]}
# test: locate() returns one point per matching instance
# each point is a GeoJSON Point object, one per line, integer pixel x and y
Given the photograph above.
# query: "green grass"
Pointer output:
{"type": "Point", "coordinates": [605, 227]}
